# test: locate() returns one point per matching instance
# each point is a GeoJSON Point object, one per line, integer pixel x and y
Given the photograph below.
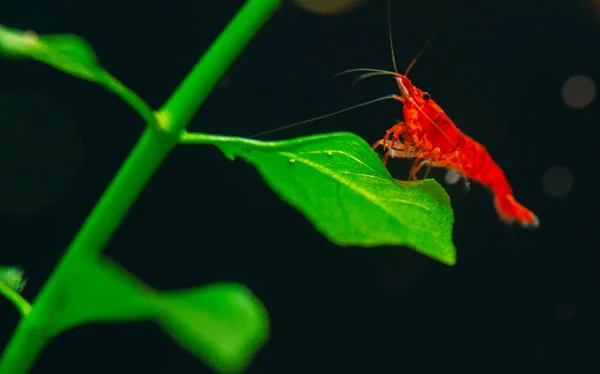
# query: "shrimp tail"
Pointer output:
{"type": "Point", "coordinates": [481, 167]}
{"type": "Point", "coordinates": [510, 210]}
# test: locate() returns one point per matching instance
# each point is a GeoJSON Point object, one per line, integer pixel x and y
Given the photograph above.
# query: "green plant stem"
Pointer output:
{"type": "Point", "coordinates": [131, 98]}
{"type": "Point", "coordinates": [20, 303]}
{"type": "Point", "coordinates": [32, 333]}
{"type": "Point", "coordinates": [196, 87]}
{"type": "Point", "coordinates": [202, 138]}
{"type": "Point", "coordinates": [34, 329]}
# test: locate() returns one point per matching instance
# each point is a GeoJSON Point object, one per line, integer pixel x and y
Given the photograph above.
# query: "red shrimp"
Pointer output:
{"type": "Point", "coordinates": [431, 137]}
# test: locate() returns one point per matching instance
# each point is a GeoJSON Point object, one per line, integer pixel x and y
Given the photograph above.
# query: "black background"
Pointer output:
{"type": "Point", "coordinates": [518, 301]}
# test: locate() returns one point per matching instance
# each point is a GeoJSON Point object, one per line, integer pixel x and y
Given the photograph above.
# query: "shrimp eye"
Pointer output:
{"type": "Point", "coordinates": [426, 96]}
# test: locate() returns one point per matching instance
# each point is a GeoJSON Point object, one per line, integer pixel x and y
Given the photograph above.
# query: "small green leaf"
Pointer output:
{"type": "Point", "coordinates": [68, 53]}
{"type": "Point", "coordinates": [101, 292]}
{"type": "Point", "coordinates": [13, 277]}
{"type": "Point", "coordinates": [72, 47]}
{"type": "Point", "coordinates": [11, 285]}
{"type": "Point", "coordinates": [343, 188]}
{"type": "Point", "coordinates": [71, 54]}
{"type": "Point", "coordinates": [222, 324]}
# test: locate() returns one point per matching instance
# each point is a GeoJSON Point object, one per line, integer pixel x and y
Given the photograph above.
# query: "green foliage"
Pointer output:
{"type": "Point", "coordinates": [71, 54]}
{"type": "Point", "coordinates": [343, 188]}
{"type": "Point", "coordinates": [13, 277]}
{"type": "Point", "coordinates": [335, 180]}
{"type": "Point", "coordinates": [12, 282]}
{"type": "Point", "coordinates": [223, 324]}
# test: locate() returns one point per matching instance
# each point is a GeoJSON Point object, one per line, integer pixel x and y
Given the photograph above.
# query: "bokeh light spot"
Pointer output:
{"type": "Point", "coordinates": [557, 181]}
{"type": "Point", "coordinates": [565, 312]}
{"type": "Point", "coordinates": [578, 91]}
{"type": "Point", "coordinates": [328, 6]}
{"type": "Point", "coordinates": [40, 152]}
{"type": "Point", "coordinates": [451, 177]}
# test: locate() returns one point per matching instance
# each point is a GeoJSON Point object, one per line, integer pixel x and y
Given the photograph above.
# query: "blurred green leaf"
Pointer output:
{"type": "Point", "coordinates": [101, 292]}
{"type": "Point", "coordinates": [222, 324]}
{"type": "Point", "coordinates": [12, 282]}
{"type": "Point", "coordinates": [13, 277]}
{"type": "Point", "coordinates": [71, 54]}
{"type": "Point", "coordinates": [67, 52]}
{"type": "Point", "coordinates": [343, 188]}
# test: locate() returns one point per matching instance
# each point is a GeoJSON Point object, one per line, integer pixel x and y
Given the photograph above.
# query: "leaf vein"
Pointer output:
{"type": "Point", "coordinates": [373, 198]}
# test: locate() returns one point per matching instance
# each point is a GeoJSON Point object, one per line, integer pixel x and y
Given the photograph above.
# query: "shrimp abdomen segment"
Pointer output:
{"type": "Point", "coordinates": [477, 164]}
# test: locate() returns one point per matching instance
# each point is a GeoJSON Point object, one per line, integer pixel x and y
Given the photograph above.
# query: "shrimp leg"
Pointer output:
{"type": "Point", "coordinates": [427, 171]}
{"type": "Point", "coordinates": [425, 158]}
{"type": "Point", "coordinates": [395, 153]}
{"type": "Point", "coordinates": [416, 166]}
{"type": "Point", "coordinates": [396, 130]}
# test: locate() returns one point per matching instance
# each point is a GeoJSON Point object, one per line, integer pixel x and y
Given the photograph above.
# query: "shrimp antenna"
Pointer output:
{"type": "Point", "coordinates": [383, 98]}
{"type": "Point", "coordinates": [368, 73]}
{"type": "Point", "coordinates": [412, 63]}
{"type": "Point", "coordinates": [376, 72]}
{"type": "Point", "coordinates": [389, 12]}
{"type": "Point", "coordinates": [380, 71]}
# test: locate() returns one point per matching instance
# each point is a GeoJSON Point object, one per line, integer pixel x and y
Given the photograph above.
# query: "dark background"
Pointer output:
{"type": "Point", "coordinates": [518, 301]}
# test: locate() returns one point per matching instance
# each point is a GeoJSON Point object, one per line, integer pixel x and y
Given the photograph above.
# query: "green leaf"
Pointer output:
{"type": "Point", "coordinates": [343, 188]}
{"type": "Point", "coordinates": [100, 292]}
{"type": "Point", "coordinates": [12, 282]}
{"type": "Point", "coordinates": [71, 54]}
{"type": "Point", "coordinates": [68, 53]}
{"type": "Point", "coordinates": [13, 277]}
{"type": "Point", "coordinates": [222, 324]}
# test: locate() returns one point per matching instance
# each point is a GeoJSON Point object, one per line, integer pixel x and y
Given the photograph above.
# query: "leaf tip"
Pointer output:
{"type": "Point", "coordinates": [229, 154]}
{"type": "Point", "coordinates": [449, 259]}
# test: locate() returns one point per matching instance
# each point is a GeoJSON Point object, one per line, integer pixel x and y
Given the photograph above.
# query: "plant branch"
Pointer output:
{"type": "Point", "coordinates": [202, 138]}
{"type": "Point", "coordinates": [131, 98]}
{"type": "Point", "coordinates": [193, 91]}
{"type": "Point", "coordinates": [20, 303]}
{"type": "Point", "coordinates": [35, 329]}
